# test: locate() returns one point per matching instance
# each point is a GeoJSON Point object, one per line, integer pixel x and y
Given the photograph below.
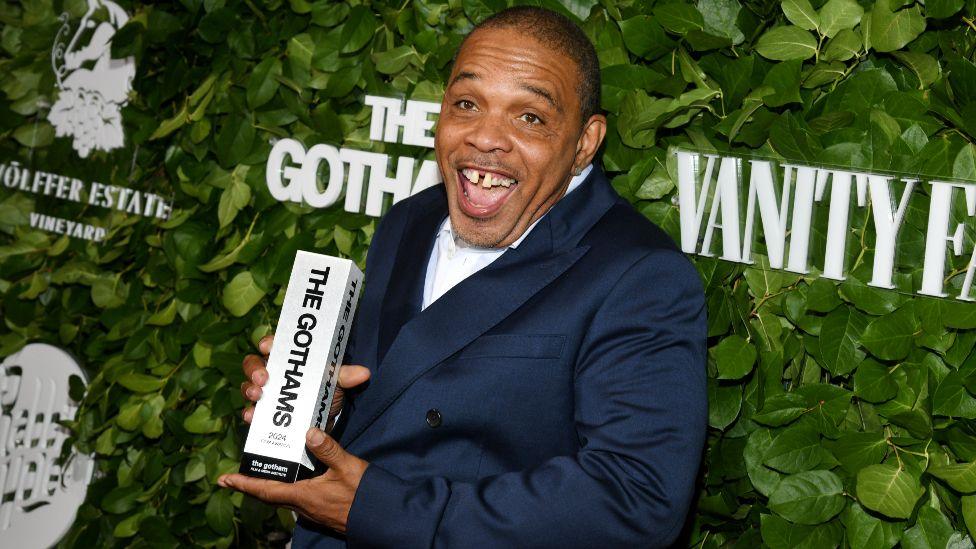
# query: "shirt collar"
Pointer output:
{"type": "Point", "coordinates": [447, 231]}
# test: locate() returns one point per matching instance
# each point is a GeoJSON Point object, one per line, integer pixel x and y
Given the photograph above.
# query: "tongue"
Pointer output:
{"type": "Point", "coordinates": [486, 198]}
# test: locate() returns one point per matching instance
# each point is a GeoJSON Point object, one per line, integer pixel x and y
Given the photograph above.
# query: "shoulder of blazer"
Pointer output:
{"type": "Point", "coordinates": [623, 236]}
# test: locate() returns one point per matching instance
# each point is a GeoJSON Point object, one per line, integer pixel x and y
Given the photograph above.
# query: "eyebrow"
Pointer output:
{"type": "Point", "coordinates": [541, 92]}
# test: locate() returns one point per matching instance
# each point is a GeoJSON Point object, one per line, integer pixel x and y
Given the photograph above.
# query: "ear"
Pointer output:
{"type": "Point", "coordinates": [589, 141]}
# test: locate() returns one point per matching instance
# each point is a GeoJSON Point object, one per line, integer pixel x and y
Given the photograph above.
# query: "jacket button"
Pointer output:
{"type": "Point", "coordinates": [434, 418]}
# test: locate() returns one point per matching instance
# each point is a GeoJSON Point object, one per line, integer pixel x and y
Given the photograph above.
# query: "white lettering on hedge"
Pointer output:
{"type": "Point", "coordinates": [39, 493]}
{"type": "Point", "coordinates": [318, 176]}
{"type": "Point", "coordinates": [389, 117]}
{"type": "Point", "coordinates": [790, 193]}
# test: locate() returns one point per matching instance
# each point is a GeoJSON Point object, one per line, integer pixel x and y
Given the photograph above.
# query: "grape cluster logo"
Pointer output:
{"type": "Point", "coordinates": [39, 493]}
{"type": "Point", "coordinates": [93, 86]}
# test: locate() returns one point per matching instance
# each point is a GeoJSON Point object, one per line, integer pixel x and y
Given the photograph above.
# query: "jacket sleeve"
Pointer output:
{"type": "Point", "coordinates": [641, 416]}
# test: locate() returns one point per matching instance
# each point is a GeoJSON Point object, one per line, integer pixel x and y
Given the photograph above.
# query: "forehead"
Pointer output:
{"type": "Point", "coordinates": [507, 54]}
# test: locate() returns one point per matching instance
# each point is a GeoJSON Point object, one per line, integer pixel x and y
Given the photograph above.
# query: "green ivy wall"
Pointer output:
{"type": "Point", "coordinates": [841, 414]}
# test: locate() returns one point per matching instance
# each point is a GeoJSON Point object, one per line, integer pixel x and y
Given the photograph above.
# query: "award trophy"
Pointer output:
{"type": "Point", "coordinates": [303, 369]}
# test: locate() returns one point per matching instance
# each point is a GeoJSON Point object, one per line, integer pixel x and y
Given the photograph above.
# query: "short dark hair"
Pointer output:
{"type": "Point", "coordinates": [555, 31]}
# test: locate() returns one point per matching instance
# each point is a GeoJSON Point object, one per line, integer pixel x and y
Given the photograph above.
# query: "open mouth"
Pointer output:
{"type": "Point", "coordinates": [483, 192]}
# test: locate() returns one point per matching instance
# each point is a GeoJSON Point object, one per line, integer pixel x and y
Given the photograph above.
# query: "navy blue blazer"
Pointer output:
{"type": "Point", "coordinates": [556, 398]}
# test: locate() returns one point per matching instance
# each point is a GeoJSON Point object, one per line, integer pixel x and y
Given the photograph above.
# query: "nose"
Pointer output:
{"type": "Point", "coordinates": [490, 134]}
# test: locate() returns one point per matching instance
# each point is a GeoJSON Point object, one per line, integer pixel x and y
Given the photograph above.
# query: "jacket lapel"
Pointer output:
{"type": "Point", "coordinates": [425, 339]}
{"type": "Point", "coordinates": [405, 291]}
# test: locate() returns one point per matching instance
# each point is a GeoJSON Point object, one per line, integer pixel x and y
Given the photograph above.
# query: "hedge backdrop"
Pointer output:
{"type": "Point", "coordinates": [841, 414]}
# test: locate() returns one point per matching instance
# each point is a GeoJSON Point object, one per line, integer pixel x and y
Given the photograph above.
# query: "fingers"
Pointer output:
{"type": "Point", "coordinates": [248, 414]}
{"type": "Point", "coordinates": [352, 375]}
{"type": "Point", "coordinates": [264, 346]}
{"type": "Point", "coordinates": [324, 447]}
{"type": "Point", "coordinates": [269, 491]}
{"type": "Point", "coordinates": [255, 369]}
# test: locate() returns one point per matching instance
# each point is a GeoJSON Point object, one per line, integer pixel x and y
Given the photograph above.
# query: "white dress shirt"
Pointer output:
{"type": "Point", "coordinates": [452, 260]}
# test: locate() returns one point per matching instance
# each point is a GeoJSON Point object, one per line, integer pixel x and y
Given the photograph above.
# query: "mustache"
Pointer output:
{"type": "Point", "coordinates": [487, 163]}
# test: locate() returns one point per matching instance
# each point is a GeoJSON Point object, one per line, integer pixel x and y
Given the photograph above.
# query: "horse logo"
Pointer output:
{"type": "Point", "coordinates": [93, 86]}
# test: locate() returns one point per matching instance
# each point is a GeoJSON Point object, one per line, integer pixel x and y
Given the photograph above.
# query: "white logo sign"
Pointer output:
{"type": "Point", "coordinates": [785, 198]}
{"type": "Point", "coordinates": [39, 496]}
{"type": "Point", "coordinates": [93, 86]}
{"type": "Point", "coordinates": [293, 174]}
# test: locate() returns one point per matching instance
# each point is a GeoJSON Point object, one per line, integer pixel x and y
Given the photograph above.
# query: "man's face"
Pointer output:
{"type": "Point", "coordinates": [510, 135]}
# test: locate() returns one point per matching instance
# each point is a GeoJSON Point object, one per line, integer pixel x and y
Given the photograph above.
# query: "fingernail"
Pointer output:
{"type": "Point", "coordinates": [315, 437]}
{"type": "Point", "coordinates": [250, 392]}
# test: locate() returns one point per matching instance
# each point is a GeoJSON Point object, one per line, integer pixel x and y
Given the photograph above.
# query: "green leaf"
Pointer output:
{"type": "Point", "coordinates": [196, 468]}
{"type": "Point", "coordinates": [263, 84]}
{"type": "Point", "coordinates": [925, 67]}
{"type": "Point", "coordinates": [801, 14]}
{"type": "Point", "coordinates": [811, 497]}
{"type": "Point", "coordinates": [395, 60]}
{"type": "Point", "coordinates": [763, 478]}
{"type": "Point", "coordinates": [721, 18]}
{"type": "Point", "coordinates": [839, 337]}
{"type": "Point", "coordinates": [233, 199]}
{"type": "Point", "coordinates": [358, 29]}
{"type": "Point", "coordinates": [890, 30]}
{"type": "Point", "coordinates": [940, 9]}
{"type": "Point", "coordinates": [241, 294]}
{"type": "Point", "coordinates": [234, 141]}
{"type": "Point", "coordinates": [952, 399]}
{"type": "Point", "coordinates": [797, 448]}
{"type": "Point", "coordinates": [300, 50]}
{"type": "Point", "coordinates": [873, 382]}
{"type": "Point", "coordinates": [37, 134]}
{"type": "Point", "coordinates": [734, 357]}
{"type": "Point", "coordinates": [855, 451]}
{"type": "Point", "coordinates": [644, 37]}
{"type": "Point", "coordinates": [781, 409]}
{"type": "Point", "coordinates": [201, 421]}
{"type": "Point", "coordinates": [889, 490]}
{"type": "Point", "coordinates": [121, 500]}
{"type": "Point", "coordinates": [778, 533]}
{"type": "Point", "coordinates": [844, 46]}
{"type": "Point", "coordinates": [961, 476]}
{"type": "Point", "coordinates": [969, 513]}
{"type": "Point", "coordinates": [724, 403]}
{"type": "Point", "coordinates": [109, 292]}
{"type": "Point", "coordinates": [890, 337]}
{"type": "Point", "coordinates": [172, 124]}
{"type": "Point", "coordinates": [141, 383]}
{"type": "Point", "coordinates": [128, 526]}
{"type": "Point", "coordinates": [220, 512]}
{"type": "Point", "coordinates": [932, 529]}
{"type": "Point", "coordinates": [784, 79]}
{"type": "Point", "coordinates": [865, 531]}
{"type": "Point", "coordinates": [679, 18]}
{"type": "Point", "coordinates": [787, 43]}
{"type": "Point", "coordinates": [839, 15]}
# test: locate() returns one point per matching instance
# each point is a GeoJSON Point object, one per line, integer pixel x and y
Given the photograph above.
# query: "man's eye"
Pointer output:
{"type": "Point", "coordinates": [530, 118]}
{"type": "Point", "coordinates": [465, 105]}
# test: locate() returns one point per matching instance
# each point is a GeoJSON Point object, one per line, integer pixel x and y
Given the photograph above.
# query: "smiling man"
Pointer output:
{"type": "Point", "coordinates": [529, 350]}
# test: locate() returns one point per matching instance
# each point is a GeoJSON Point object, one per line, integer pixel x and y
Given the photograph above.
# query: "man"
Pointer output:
{"type": "Point", "coordinates": [534, 347]}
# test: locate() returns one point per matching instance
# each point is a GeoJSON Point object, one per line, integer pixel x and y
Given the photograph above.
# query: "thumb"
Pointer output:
{"type": "Point", "coordinates": [324, 447]}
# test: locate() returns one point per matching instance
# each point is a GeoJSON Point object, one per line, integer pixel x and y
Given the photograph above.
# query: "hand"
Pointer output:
{"type": "Point", "coordinates": [325, 499]}
{"type": "Point", "coordinates": [256, 371]}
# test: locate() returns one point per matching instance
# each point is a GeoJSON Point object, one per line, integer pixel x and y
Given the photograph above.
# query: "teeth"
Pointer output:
{"type": "Point", "coordinates": [490, 180]}
{"type": "Point", "coordinates": [471, 174]}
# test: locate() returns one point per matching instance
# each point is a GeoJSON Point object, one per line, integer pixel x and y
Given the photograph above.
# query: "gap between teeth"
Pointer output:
{"type": "Point", "coordinates": [490, 180]}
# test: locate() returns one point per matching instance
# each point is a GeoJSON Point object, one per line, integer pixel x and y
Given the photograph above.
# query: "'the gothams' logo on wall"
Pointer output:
{"type": "Point", "coordinates": [39, 494]}
{"type": "Point", "coordinates": [93, 85]}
